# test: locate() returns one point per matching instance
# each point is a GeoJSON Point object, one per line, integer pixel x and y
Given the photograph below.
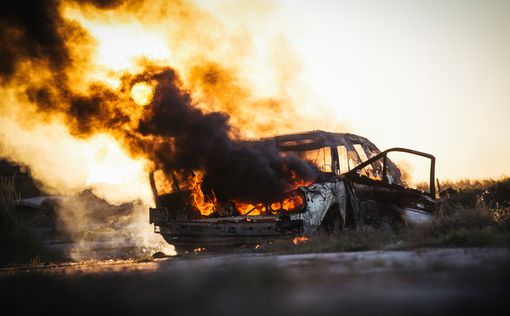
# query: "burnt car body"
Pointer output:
{"type": "Point", "coordinates": [358, 185]}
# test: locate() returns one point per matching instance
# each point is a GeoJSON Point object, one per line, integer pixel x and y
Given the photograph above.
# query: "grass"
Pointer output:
{"type": "Point", "coordinates": [9, 198]}
{"type": "Point", "coordinates": [366, 238]}
{"type": "Point", "coordinates": [460, 222]}
{"type": "Point", "coordinates": [19, 245]}
{"type": "Point", "coordinates": [464, 227]}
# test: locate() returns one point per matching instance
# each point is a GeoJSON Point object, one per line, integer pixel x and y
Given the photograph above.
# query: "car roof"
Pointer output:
{"type": "Point", "coordinates": [319, 138]}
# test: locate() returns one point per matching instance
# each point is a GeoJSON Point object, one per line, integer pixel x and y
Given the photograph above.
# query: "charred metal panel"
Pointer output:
{"type": "Point", "coordinates": [225, 232]}
{"type": "Point", "coordinates": [223, 228]}
{"type": "Point", "coordinates": [376, 202]}
{"type": "Point", "coordinates": [319, 198]}
{"type": "Point", "coordinates": [414, 216]}
{"type": "Point", "coordinates": [359, 197]}
{"type": "Point", "coordinates": [158, 215]}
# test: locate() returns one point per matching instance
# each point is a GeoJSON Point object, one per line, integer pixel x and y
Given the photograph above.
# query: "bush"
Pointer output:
{"type": "Point", "coordinates": [9, 199]}
{"type": "Point", "coordinates": [463, 227]}
{"type": "Point", "coordinates": [459, 227]}
{"type": "Point", "coordinates": [18, 242]}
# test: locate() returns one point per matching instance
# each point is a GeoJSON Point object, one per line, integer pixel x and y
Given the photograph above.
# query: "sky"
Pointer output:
{"type": "Point", "coordinates": [430, 75]}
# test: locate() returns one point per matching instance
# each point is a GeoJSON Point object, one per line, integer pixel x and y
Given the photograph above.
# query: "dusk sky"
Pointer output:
{"type": "Point", "coordinates": [430, 75]}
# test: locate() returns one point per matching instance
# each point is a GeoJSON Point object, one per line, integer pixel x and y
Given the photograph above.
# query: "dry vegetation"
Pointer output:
{"type": "Point", "coordinates": [18, 242]}
{"type": "Point", "coordinates": [461, 222]}
{"type": "Point", "coordinates": [462, 227]}
{"type": "Point", "coordinates": [8, 200]}
{"type": "Point", "coordinates": [464, 219]}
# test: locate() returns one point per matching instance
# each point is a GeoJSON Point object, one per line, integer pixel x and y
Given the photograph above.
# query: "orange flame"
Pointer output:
{"type": "Point", "coordinates": [198, 250]}
{"type": "Point", "coordinates": [291, 202]}
{"type": "Point", "coordinates": [300, 240]}
{"type": "Point", "coordinates": [276, 206]}
{"type": "Point", "coordinates": [206, 206]}
{"type": "Point", "coordinates": [247, 209]}
{"type": "Point", "coordinates": [297, 181]}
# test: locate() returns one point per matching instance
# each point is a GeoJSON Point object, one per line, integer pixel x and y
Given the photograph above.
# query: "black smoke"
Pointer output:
{"type": "Point", "coordinates": [29, 29]}
{"type": "Point", "coordinates": [173, 133]}
{"type": "Point", "coordinates": [34, 30]}
{"type": "Point", "coordinates": [248, 171]}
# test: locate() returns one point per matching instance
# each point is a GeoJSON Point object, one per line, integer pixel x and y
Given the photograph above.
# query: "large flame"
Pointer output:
{"type": "Point", "coordinates": [71, 113]}
{"type": "Point", "coordinates": [291, 202]}
{"type": "Point", "coordinates": [212, 58]}
{"type": "Point", "coordinates": [205, 205]}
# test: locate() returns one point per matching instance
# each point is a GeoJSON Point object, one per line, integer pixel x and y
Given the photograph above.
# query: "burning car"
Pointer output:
{"type": "Point", "coordinates": [357, 185]}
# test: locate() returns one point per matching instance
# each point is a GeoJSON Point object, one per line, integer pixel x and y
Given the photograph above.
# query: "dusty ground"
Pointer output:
{"type": "Point", "coordinates": [317, 281]}
{"type": "Point", "coordinates": [421, 282]}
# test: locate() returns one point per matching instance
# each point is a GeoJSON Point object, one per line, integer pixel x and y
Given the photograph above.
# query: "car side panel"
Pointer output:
{"type": "Point", "coordinates": [319, 198]}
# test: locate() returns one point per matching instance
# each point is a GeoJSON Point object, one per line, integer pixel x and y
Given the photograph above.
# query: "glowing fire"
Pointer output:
{"type": "Point", "coordinates": [111, 173]}
{"type": "Point", "coordinates": [292, 201]}
{"type": "Point", "coordinates": [119, 44]}
{"type": "Point", "coordinates": [142, 93]}
{"type": "Point", "coordinates": [198, 250]}
{"type": "Point", "coordinates": [297, 181]}
{"type": "Point", "coordinates": [208, 205]}
{"type": "Point", "coordinates": [105, 46]}
{"type": "Point", "coordinates": [299, 240]}
{"type": "Point", "coordinates": [205, 205]}
{"type": "Point", "coordinates": [247, 209]}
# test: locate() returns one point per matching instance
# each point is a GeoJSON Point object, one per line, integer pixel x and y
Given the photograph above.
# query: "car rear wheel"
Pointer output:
{"type": "Point", "coordinates": [332, 223]}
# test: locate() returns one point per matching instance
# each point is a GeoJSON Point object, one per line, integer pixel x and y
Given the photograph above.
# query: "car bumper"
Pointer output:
{"type": "Point", "coordinates": [224, 231]}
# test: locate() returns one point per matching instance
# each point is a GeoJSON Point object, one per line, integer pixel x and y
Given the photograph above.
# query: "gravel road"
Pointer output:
{"type": "Point", "coordinates": [421, 282]}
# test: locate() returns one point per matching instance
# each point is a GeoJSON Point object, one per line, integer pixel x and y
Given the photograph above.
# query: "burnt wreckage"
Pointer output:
{"type": "Point", "coordinates": [358, 185]}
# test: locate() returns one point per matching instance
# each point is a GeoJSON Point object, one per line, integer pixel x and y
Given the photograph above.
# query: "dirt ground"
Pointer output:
{"type": "Point", "coordinates": [418, 282]}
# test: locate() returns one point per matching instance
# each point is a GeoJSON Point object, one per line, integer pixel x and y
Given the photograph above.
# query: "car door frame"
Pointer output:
{"type": "Point", "coordinates": [379, 201]}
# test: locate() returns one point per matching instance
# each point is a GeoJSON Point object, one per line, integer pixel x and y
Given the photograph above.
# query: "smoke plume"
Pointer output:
{"type": "Point", "coordinates": [172, 132]}
{"type": "Point", "coordinates": [69, 115]}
